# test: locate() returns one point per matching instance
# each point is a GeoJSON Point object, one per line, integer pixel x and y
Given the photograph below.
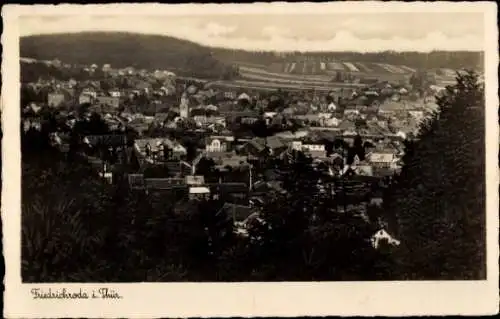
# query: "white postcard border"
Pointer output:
{"type": "Point", "coordinates": [145, 300]}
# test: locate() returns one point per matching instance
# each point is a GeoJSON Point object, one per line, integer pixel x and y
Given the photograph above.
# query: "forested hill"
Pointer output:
{"type": "Point", "coordinates": [122, 49]}
{"type": "Point", "coordinates": [125, 49]}
{"type": "Point", "coordinates": [418, 60]}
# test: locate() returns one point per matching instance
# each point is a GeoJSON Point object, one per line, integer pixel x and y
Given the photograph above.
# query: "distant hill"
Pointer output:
{"type": "Point", "coordinates": [126, 49]}
{"type": "Point", "coordinates": [187, 58]}
{"type": "Point", "coordinates": [416, 60]}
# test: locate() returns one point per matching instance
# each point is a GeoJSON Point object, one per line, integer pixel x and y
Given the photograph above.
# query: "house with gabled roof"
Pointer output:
{"type": "Point", "coordinates": [158, 148]}
{"type": "Point", "coordinates": [271, 145]}
{"type": "Point", "coordinates": [218, 144]}
{"type": "Point", "coordinates": [109, 140]}
{"type": "Point", "coordinates": [382, 156]}
{"type": "Point", "coordinates": [136, 181]}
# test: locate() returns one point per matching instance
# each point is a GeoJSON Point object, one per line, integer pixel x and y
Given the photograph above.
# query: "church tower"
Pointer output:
{"type": "Point", "coordinates": [184, 107]}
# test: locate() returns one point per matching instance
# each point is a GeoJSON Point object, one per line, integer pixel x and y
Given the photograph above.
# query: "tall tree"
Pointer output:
{"type": "Point", "coordinates": [439, 198]}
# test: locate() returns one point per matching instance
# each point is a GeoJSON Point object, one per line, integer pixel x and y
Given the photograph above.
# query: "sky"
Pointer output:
{"type": "Point", "coordinates": [363, 32]}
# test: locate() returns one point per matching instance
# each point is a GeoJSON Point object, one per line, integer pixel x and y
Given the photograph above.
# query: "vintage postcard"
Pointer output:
{"type": "Point", "coordinates": [250, 160]}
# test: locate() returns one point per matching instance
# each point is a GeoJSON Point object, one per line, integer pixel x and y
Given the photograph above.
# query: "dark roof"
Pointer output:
{"type": "Point", "coordinates": [258, 143]}
{"type": "Point", "coordinates": [382, 172]}
{"type": "Point", "coordinates": [230, 187]}
{"type": "Point", "coordinates": [237, 213]}
{"type": "Point", "coordinates": [275, 142]}
{"type": "Point", "coordinates": [136, 180]}
{"type": "Point", "coordinates": [272, 174]}
{"type": "Point", "coordinates": [328, 135]}
{"type": "Point", "coordinates": [346, 125]}
{"type": "Point", "coordinates": [163, 183]}
{"type": "Point", "coordinates": [235, 114]}
{"type": "Point", "coordinates": [107, 140]}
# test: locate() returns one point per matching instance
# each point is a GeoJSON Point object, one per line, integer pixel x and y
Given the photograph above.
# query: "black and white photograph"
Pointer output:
{"type": "Point", "coordinates": [262, 147]}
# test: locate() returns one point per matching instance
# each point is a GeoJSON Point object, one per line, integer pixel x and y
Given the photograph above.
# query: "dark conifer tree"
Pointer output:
{"type": "Point", "coordinates": [439, 198]}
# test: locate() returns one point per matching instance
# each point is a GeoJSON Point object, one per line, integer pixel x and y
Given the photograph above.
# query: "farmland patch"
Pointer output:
{"type": "Point", "coordinates": [351, 67]}
{"type": "Point", "coordinates": [335, 66]}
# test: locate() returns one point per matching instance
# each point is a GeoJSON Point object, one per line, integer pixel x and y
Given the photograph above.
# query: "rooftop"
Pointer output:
{"type": "Point", "coordinates": [199, 190]}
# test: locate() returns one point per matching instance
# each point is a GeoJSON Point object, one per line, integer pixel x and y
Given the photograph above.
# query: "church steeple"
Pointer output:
{"type": "Point", "coordinates": [184, 107]}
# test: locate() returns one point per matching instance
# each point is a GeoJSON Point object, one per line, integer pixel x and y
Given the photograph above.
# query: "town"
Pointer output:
{"type": "Point", "coordinates": [209, 142]}
{"type": "Point", "coordinates": [238, 144]}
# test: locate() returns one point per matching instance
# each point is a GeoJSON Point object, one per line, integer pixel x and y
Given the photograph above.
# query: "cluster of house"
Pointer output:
{"type": "Point", "coordinates": [382, 115]}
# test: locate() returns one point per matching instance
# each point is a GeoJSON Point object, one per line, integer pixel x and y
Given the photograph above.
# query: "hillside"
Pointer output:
{"type": "Point", "coordinates": [193, 60]}
{"type": "Point", "coordinates": [126, 49]}
{"type": "Point", "coordinates": [415, 60]}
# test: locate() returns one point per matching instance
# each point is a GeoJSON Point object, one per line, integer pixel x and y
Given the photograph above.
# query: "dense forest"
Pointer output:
{"type": "Point", "coordinates": [78, 228]}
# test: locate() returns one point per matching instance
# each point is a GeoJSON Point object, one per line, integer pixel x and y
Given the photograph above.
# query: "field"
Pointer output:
{"type": "Point", "coordinates": [314, 74]}
{"type": "Point", "coordinates": [318, 68]}
{"type": "Point", "coordinates": [318, 74]}
{"type": "Point", "coordinates": [253, 72]}
{"type": "Point", "coordinates": [273, 86]}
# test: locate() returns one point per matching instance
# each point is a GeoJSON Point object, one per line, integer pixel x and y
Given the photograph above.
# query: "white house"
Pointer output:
{"type": "Point", "coordinates": [331, 107]}
{"type": "Point", "coordinates": [218, 143]}
{"type": "Point", "coordinates": [331, 122]}
{"type": "Point", "coordinates": [351, 110]}
{"type": "Point", "coordinates": [90, 91]}
{"type": "Point", "coordinates": [199, 192]}
{"type": "Point", "coordinates": [244, 96]}
{"type": "Point", "coordinates": [417, 114]}
{"type": "Point", "coordinates": [307, 146]}
{"type": "Point", "coordinates": [381, 158]}
{"type": "Point", "coordinates": [114, 93]}
{"type": "Point", "coordinates": [383, 235]}
{"type": "Point", "coordinates": [363, 169]}
{"type": "Point", "coordinates": [145, 148]}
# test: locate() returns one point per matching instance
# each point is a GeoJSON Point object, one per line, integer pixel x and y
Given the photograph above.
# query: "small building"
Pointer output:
{"type": "Point", "coordinates": [244, 97]}
{"type": "Point", "coordinates": [106, 68]}
{"type": "Point", "coordinates": [164, 184]}
{"type": "Point", "coordinates": [55, 99]}
{"type": "Point", "coordinates": [85, 99]}
{"type": "Point", "coordinates": [204, 120]}
{"type": "Point", "coordinates": [230, 95]}
{"type": "Point", "coordinates": [383, 236]}
{"type": "Point", "coordinates": [381, 157]}
{"type": "Point", "coordinates": [184, 106]}
{"type": "Point", "coordinates": [237, 213]}
{"type": "Point", "coordinates": [331, 107]}
{"type": "Point", "coordinates": [90, 91]}
{"type": "Point", "coordinates": [390, 108]}
{"type": "Point", "coordinates": [115, 93]}
{"type": "Point", "coordinates": [363, 169]}
{"type": "Point", "coordinates": [417, 114]}
{"type": "Point", "coordinates": [272, 145]}
{"type": "Point", "coordinates": [111, 101]}
{"type": "Point", "coordinates": [351, 110]}
{"type": "Point", "coordinates": [159, 149]}
{"type": "Point", "coordinates": [136, 181]}
{"type": "Point", "coordinates": [218, 143]}
{"type": "Point", "coordinates": [199, 193]}
{"type": "Point", "coordinates": [249, 120]}
{"type": "Point", "coordinates": [195, 180]}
